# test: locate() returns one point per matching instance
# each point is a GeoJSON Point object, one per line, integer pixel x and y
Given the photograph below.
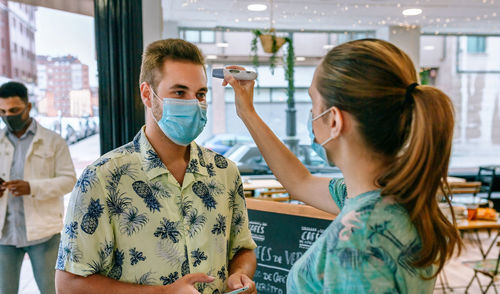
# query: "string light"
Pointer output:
{"type": "Point", "coordinates": [314, 13]}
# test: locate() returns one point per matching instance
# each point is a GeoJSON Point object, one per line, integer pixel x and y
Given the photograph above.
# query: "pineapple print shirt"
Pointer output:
{"type": "Point", "coordinates": [368, 248]}
{"type": "Point", "coordinates": [130, 220]}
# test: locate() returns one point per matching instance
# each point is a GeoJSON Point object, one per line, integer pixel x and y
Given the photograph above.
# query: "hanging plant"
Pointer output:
{"type": "Point", "coordinates": [288, 59]}
{"type": "Point", "coordinates": [254, 48]}
{"type": "Point", "coordinates": [270, 43]}
{"type": "Point", "coordinates": [289, 71]}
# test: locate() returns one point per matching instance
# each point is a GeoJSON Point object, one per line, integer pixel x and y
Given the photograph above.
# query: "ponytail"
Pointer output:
{"type": "Point", "coordinates": [420, 172]}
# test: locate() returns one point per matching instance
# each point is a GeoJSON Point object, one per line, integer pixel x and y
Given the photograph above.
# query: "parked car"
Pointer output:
{"type": "Point", "coordinates": [250, 161]}
{"type": "Point", "coordinates": [223, 142]}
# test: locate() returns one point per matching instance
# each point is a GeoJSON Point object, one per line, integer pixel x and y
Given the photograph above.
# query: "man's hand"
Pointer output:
{"type": "Point", "coordinates": [238, 280]}
{"type": "Point", "coordinates": [186, 284]}
{"type": "Point", "coordinates": [18, 187]}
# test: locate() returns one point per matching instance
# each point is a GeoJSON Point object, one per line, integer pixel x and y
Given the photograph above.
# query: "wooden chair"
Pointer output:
{"type": "Point", "coordinates": [465, 188]}
{"type": "Point", "coordinates": [486, 267]}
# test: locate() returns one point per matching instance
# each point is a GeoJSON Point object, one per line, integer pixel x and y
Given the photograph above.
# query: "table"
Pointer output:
{"type": "Point", "coordinates": [273, 184]}
{"type": "Point", "coordinates": [271, 187]}
{"type": "Point", "coordinates": [252, 185]}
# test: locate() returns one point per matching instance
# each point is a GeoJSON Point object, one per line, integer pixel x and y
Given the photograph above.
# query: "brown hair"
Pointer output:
{"type": "Point", "coordinates": [369, 78]}
{"type": "Point", "coordinates": [169, 49]}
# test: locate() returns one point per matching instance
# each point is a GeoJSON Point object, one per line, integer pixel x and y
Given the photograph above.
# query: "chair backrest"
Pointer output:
{"type": "Point", "coordinates": [486, 175]}
{"type": "Point", "coordinates": [465, 188]}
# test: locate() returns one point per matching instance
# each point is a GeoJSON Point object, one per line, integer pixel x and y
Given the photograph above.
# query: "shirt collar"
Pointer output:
{"type": "Point", "coordinates": [154, 167]}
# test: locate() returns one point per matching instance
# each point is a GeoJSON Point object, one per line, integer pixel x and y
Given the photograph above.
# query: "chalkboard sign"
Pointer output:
{"type": "Point", "coordinates": [281, 239]}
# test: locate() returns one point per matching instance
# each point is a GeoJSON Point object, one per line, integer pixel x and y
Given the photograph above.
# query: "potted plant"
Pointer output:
{"type": "Point", "coordinates": [270, 43]}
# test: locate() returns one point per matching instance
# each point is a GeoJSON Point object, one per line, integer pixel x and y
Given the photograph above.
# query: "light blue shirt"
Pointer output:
{"type": "Point", "coordinates": [14, 230]}
{"type": "Point", "coordinates": [369, 248]}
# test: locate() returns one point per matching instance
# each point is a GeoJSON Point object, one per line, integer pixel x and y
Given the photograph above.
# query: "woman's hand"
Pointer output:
{"type": "Point", "coordinates": [243, 91]}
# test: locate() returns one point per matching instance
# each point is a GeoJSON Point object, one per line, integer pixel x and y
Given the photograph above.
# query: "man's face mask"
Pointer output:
{"type": "Point", "coordinates": [16, 123]}
{"type": "Point", "coordinates": [182, 120]}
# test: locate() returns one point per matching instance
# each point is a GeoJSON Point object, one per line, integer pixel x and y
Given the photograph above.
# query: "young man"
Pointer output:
{"type": "Point", "coordinates": [160, 214]}
{"type": "Point", "coordinates": [37, 169]}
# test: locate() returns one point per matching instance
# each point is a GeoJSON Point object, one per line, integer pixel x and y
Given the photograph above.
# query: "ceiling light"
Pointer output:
{"type": "Point", "coordinates": [211, 57]}
{"type": "Point", "coordinates": [428, 48]}
{"type": "Point", "coordinates": [300, 58]}
{"type": "Point", "coordinates": [223, 45]}
{"type": "Point", "coordinates": [412, 11]}
{"type": "Point", "coordinates": [257, 7]}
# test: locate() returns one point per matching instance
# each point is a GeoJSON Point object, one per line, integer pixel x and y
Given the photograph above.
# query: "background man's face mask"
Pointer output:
{"type": "Point", "coordinates": [16, 123]}
{"type": "Point", "coordinates": [182, 120]}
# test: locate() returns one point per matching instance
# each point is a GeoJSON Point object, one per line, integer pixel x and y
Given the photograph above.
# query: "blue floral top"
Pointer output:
{"type": "Point", "coordinates": [130, 220]}
{"type": "Point", "coordinates": [368, 248]}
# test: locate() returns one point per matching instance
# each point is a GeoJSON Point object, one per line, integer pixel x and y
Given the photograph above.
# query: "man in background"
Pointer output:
{"type": "Point", "coordinates": [37, 171]}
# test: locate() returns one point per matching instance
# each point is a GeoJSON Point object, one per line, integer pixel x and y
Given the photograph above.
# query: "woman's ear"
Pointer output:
{"type": "Point", "coordinates": [146, 94]}
{"type": "Point", "coordinates": [336, 122]}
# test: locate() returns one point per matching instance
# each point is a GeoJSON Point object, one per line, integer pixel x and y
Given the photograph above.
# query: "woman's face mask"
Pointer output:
{"type": "Point", "coordinates": [182, 120]}
{"type": "Point", "coordinates": [318, 147]}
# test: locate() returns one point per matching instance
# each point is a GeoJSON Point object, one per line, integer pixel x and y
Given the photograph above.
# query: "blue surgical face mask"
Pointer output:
{"type": "Point", "coordinates": [318, 148]}
{"type": "Point", "coordinates": [182, 120]}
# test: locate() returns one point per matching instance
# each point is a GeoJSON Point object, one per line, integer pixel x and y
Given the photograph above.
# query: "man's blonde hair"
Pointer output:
{"type": "Point", "coordinates": [159, 51]}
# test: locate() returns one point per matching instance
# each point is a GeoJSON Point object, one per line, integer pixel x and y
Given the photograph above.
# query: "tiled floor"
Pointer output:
{"type": "Point", "coordinates": [460, 275]}
{"type": "Point", "coordinates": [27, 285]}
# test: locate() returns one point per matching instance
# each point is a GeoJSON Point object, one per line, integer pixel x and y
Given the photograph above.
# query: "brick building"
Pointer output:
{"type": "Point", "coordinates": [17, 42]}
{"type": "Point", "coordinates": [58, 77]}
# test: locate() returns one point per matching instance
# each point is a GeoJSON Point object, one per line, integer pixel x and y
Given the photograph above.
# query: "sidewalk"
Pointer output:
{"type": "Point", "coordinates": [83, 153]}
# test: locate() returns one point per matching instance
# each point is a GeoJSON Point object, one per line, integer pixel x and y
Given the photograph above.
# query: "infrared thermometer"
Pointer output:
{"type": "Point", "coordinates": [243, 75]}
{"type": "Point", "coordinates": [238, 290]}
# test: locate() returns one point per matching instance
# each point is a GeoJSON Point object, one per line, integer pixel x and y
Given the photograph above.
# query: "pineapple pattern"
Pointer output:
{"type": "Point", "coordinates": [369, 247]}
{"type": "Point", "coordinates": [170, 279]}
{"type": "Point", "coordinates": [136, 256]}
{"type": "Point", "coordinates": [185, 265]}
{"type": "Point", "coordinates": [145, 192]}
{"type": "Point", "coordinates": [90, 220]}
{"type": "Point", "coordinates": [87, 180]}
{"type": "Point", "coordinates": [220, 161]}
{"type": "Point", "coordinates": [130, 222]}
{"type": "Point", "coordinates": [201, 190]}
{"type": "Point", "coordinates": [116, 270]}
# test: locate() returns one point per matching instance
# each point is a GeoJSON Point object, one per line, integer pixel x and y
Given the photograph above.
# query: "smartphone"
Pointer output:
{"type": "Point", "coordinates": [238, 290]}
{"type": "Point", "coordinates": [2, 181]}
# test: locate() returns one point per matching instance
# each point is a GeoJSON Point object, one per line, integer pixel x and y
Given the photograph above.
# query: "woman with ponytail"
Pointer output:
{"type": "Point", "coordinates": [391, 138]}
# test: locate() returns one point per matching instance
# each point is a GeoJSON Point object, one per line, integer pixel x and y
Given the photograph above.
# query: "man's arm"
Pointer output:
{"type": "Point", "coordinates": [98, 284]}
{"type": "Point", "coordinates": [243, 262]}
{"type": "Point", "coordinates": [64, 179]}
{"type": "Point", "coordinates": [241, 270]}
